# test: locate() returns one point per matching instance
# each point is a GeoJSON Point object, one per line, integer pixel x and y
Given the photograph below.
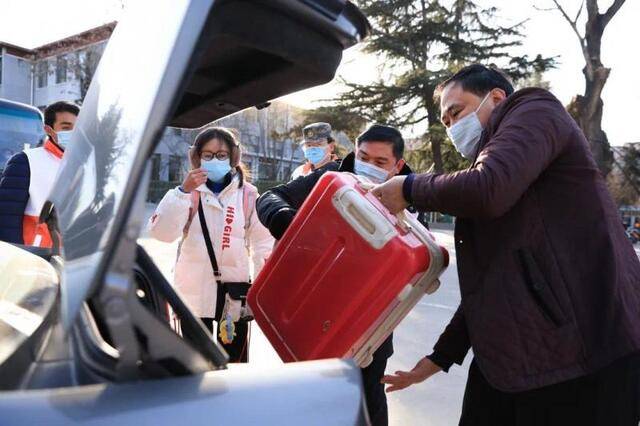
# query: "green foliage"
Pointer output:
{"type": "Point", "coordinates": [624, 181]}
{"type": "Point", "coordinates": [264, 185]}
{"type": "Point", "coordinates": [631, 162]}
{"type": "Point", "coordinates": [420, 156]}
{"type": "Point", "coordinates": [341, 119]}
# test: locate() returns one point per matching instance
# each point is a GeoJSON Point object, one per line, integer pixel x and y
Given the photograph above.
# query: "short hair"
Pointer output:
{"type": "Point", "coordinates": [56, 107]}
{"type": "Point", "coordinates": [382, 133]}
{"type": "Point", "coordinates": [478, 80]}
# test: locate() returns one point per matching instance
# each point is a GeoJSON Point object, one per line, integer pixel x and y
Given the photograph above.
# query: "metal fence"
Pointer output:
{"type": "Point", "coordinates": [157, 189]}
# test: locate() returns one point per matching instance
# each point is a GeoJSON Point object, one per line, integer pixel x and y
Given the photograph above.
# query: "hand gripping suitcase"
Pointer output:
{"type": "Point", "coordinates": [344, 274]}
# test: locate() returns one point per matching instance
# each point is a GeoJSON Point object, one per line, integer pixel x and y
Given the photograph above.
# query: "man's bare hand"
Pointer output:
{"type": "Point", "coordinates": [194, 179]}
{"type": "Point", "coordinates": [403, 379]}
{"type": "Point", "coordinates": [390, 194]}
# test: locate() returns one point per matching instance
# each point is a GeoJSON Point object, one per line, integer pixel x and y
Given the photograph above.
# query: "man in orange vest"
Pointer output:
{"type": "Point", "coordinates": [28, 179]}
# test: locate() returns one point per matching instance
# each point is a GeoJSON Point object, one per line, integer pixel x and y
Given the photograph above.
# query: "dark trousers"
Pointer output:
{"type": "Point", "coordinates": [374, 394]}
{"type": "Point", "coordinates": [238, 349]}
{"type": "Point", "coordinates": [609, 397]}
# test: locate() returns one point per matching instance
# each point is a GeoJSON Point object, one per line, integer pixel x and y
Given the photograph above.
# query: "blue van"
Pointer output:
{"type": "Point", "coordinates": [21, 126]}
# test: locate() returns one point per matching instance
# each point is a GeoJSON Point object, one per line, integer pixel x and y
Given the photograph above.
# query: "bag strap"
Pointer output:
{"type": "Point", "coordinates": [207, 242]}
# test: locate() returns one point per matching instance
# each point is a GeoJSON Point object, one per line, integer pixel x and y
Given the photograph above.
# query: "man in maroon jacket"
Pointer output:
{"type": "Point", "coordinates": [550, 285]}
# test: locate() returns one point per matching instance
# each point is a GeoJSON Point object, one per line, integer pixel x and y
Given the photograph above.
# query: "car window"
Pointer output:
{"type": "Point", "coordinates": [19, 129]}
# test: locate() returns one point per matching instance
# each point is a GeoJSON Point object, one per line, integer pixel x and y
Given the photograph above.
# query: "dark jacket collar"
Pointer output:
{"type": "Point", "coordinates": [509, 104]}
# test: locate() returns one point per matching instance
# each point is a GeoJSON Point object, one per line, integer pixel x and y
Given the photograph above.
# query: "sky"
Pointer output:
{"type": "Point", "coordinates": [32, 23]}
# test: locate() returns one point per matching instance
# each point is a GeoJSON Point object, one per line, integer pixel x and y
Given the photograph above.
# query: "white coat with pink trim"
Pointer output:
{"type": "Point", "coordinates": [236, 241]}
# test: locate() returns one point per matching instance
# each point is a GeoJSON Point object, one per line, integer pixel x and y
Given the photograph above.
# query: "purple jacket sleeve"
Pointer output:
{"type": "Point", "coordinates": [453, 344]}
{"type": "Point", "coordinates": [526, 141]}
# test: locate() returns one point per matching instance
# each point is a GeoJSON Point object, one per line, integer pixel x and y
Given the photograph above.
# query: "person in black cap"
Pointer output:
{"type": "Point", "coordinates": [378, 156]}
{"type": "Point", "coordinates": [318, 146]}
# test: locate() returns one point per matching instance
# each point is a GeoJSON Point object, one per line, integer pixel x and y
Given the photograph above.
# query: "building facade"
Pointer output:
{"type": "Point", "coordinates": [53, 72]}
{"type": "Point", "coordinates": [62, 70]}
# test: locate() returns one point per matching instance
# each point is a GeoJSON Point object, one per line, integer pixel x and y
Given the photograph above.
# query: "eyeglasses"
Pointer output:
{"type": "Point", "coordinates": [208, 155]}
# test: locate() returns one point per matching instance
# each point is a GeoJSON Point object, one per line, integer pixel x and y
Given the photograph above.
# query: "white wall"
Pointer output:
{"type": "Point", "coordinates": [52, 92]}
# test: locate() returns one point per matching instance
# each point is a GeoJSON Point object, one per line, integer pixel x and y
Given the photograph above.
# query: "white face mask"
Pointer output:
{"type": "Point", "coordinates": [374, 173]}
{"type": "Point", "coordinates": [465, 134]}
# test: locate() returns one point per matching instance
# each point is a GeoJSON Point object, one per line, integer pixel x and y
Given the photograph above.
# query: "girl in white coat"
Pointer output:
{"type": "Point", "coordinates": [215, 189]}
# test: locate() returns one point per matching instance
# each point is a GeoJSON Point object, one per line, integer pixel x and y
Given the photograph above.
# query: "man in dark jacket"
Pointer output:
{"type": "Point", "coordinates": [378, 156]}
{"type": "Point", "coordinates": [550, 286]}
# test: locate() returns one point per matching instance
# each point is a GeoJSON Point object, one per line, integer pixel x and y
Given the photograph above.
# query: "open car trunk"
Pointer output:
{"type": "Point", "coordinates": [244, 65]}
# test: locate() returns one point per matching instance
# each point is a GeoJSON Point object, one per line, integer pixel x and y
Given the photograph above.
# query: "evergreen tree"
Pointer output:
{"type": "Point", "coordinates": [422, 42]}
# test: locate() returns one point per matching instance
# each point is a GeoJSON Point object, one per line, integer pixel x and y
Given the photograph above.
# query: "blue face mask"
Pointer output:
{"type": "Point", "coordinates": [315, 154]}
{"type": "Point", "coordinates": [64, 137]}
{"type": "Point", "coordinates": [374, 173]}
{"type": "Point", "coordinates": [216, 169]}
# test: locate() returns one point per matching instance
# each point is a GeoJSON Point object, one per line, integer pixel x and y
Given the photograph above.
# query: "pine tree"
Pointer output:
{"type": "Point", "coordinates": [422, 42]}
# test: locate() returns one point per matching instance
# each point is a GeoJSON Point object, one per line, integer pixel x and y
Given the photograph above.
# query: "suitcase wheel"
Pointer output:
{"type": "Point", "coordinates": [431, 288]}
{"type": "Point", "coordinates": [365, 363]}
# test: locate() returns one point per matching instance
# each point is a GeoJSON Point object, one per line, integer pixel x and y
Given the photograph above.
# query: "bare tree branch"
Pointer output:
{"type": "Point", "coordinates": [544, 9]}
{"type": "Point", "coordinates": [573, 24]}
{"type": "Point", "coordinates": [613, 9]}
{"type": "Point", "coordinates": [581, 39]}
{"type": "Point", "coordinates": [579, 12]}
{"type": "Point", "coordinates": [592, 8]}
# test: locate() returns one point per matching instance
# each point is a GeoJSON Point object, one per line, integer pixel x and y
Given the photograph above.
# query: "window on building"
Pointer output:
{"type": "Point", "coordinates": [156, 162]}
{"type": "Point", "coordinates": [61, 69]}
{"type": "Point", "coordinates": [175, 168]}
{"type": "Point", "coordinates": [41, 73]}
{"type": "Point", "coordinates": [0, 69]}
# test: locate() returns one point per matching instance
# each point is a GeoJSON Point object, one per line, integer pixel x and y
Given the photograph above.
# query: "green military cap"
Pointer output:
{"type": "Point", "coordinates": [316, 132]}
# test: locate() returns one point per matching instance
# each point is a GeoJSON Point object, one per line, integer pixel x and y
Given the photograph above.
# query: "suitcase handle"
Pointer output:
{"type": "Point", "coordinates": [401, 216]}
{"type": "Point", "coordinates": [365, 219]}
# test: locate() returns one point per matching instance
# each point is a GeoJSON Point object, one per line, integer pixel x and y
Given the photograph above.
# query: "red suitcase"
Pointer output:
{"type": "Point", "coordinates": [344, 274]}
